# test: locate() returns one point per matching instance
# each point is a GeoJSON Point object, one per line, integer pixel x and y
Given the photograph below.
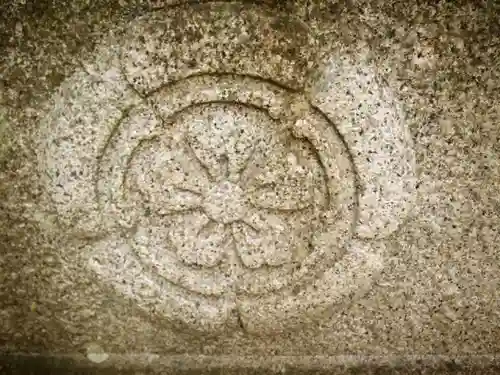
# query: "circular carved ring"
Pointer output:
{"type": "Point", "coordinates": [214, 180]}
{"type": "Point", "coordinates": [227, 189]}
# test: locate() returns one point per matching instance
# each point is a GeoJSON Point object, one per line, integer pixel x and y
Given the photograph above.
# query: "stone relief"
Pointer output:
{"type": "Point", "coordinates": [214, 180]}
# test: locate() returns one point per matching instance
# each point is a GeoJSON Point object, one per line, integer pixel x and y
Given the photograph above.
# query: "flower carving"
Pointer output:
{"type": "Point", "coordinates": [213, 175]}
{"type": "Point", "coordinates": [227, 186]}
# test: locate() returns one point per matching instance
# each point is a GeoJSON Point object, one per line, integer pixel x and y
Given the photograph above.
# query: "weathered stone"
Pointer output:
{"type": "Point", "coordinates": [250, 179]}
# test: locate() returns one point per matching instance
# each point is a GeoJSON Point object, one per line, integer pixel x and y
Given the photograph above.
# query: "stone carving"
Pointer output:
{"type": "Point", "coordinates": [219, 183]}
{"type": "Point", "coordinates": [215, 192]}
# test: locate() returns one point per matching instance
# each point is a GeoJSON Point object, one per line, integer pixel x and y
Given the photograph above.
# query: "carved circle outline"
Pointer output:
{"type": "Point", "coordinates": [311, 267]}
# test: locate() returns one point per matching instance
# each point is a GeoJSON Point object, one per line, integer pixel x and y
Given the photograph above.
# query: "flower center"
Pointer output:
{"type": "Point", "coordinates": [225, 203]}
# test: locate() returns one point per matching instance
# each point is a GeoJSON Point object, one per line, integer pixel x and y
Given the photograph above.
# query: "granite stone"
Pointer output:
{"type": "Point", "coordinates": [250, 186]}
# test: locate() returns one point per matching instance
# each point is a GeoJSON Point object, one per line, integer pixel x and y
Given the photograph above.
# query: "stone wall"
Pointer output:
{"type": "Point", "coordinates": [250, 180]}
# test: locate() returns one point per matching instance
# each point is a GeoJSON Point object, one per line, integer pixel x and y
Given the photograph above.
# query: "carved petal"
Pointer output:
{"type": "Point", "coordinates": [370, 117]}
{"type": "Point", "coordinates": [169, 179]}
{"type": "Point", "coordinates": [199, 240]}
{"type": "Point", "coordinates": [263, 239]}
{"type": "Point", "coordinates": [279, 177]}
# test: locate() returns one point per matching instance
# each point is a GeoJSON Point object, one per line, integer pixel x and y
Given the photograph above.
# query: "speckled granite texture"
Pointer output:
{"type": "Point", "coordinates": [311, 184]}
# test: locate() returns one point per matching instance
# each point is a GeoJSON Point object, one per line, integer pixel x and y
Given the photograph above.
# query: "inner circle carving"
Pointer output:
{"type": "Point", "coordinates": [226, 191]}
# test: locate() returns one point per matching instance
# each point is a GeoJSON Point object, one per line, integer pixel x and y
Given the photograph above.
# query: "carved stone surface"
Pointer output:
{"type": "Point", "coordinates": [306, 184]}
{"type": "Point", "coordinates": [221, 186]}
